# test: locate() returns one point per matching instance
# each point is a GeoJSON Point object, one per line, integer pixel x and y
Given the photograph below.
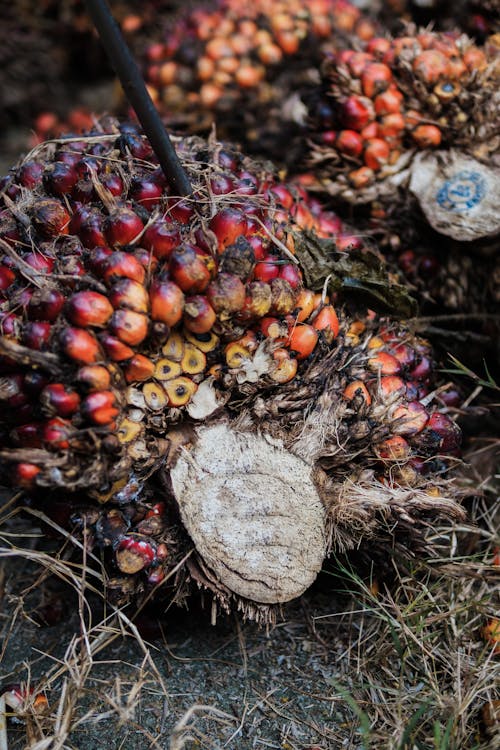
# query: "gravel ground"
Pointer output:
{"type": "Point", "coordinates": [232, 685]}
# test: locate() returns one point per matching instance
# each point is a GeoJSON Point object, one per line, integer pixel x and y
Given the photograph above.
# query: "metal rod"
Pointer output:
{"type": "Point", "coordinates": [135, 89]}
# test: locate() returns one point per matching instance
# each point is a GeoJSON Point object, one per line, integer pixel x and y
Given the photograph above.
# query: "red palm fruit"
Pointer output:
{"type": "Point", "coordinates": [228, 224]}
{"type": "Point", "coordinates": [391, 126]}
{"type": "Point", "coordinates": [129, 294]}
{"type": "Point", "coordinates": [161, 238]}
{"type": "Point", "coordinates": [423, 370]}
{"type": "Point", "coordinates": [139, 368]}
{"type": "Point", "coordinates": [491, 634]}
{"type": "Point", "coordinates": [24, 475]}
{"type": "Point", "coordinates": [384, 363]}
{"type": "Point", "coordinates": [56, 433]}
{"type": "Point", "coordinates": [89, 309]}
{"type": "Point", "coordinates": [431, 65]}
{"type": "Point", "coordinates": [39, 262]}
{"type": "Point", "coordinates": [283, 297]}
{"type": "Point", "coordinates": [304, 304]}
{"type": "Point", "coordinates": [346, 242]}
{"type": "Point", "coordinates": [349, 142]}
{"type": "Point", "coordinates": [356, 112]}
{"type": "Point", "coordinates": [28, 435]}
{"type": "Point", "coordinates": [426, 136]}
{"type": "Point", "coordinates": [50, 218]}
{"type": "Point", "coordinates": [302, 340]}
{"type": "Point", "coordinates": [357, 63]}
{"type": "Point", "coordinates": [30, 174]}
{"type": "Point", "coordinates": [267, 269]}
{"type": "Point", "coordinates": [116, 350]}
{"type": "Point", "coordinates": [180, 210]}
{"type": "Point", "coordinates": [226, 294]}
{"type": "Point", "coordinates": [122, 265]}
{"type": "Point", "coordinates": [129, 326]}
{"type": "Point", "coordinates": [329, 224]}
{"type": "Point", "coordinates": [474, 59]}
{"type": "Point", "coordinates": [188, 270]}
{"type": "Point", "coordinates": [80, 345]}
{"type": "Point", "coordinates": [275, 329]}
{"type": "Point", "coordinates": [448, 435]}
{"type": "Point", "coordinates": [112, 182]}
{"type": "Point", "coordinates": [378, 46]}
{"type": "Point", "coordinates": [94, 378]}
{"type": "Point", "coordinates": [391, 386]}
{"type": "Point", "coordinates": [60, 178]}
{"type": "Point", "coordinates": [90, 227]}
{"type": "Point", "coordinates": [451, 397]}
{"type": "Point", "coordinates": [57, 398]}
{"type": "Point", "coordinates": [357, 390]}
{"type": "Point", "coordinates": [327, 320]}
{"type": "Point", "coordinates": [36, 335]}
{"type": "Point", "coordinates": [292, 274]}
{"type": "Point", "coordinates": [375, 78]}
{"type": "Point", "coordinates": [122, 227]}
{"type": "Point", "coordinates": [282, 195]}
{"type": "Point", "coordinates": [410, 418]}
{"type": "Point", "coordinates": [404, 354]}
{"type": "Point", "coordinates": [100, 407]}
{"type": "Point", "coordinates": [146, 192]}
{"type": "Point", "coordinates": [7, 278]}
{"type": "Point", "coordinates": [45, 304]}
{"type": "Point", "coordinates": [167, 302]}
{"type": "Point", "coordinates": [199, 315]}
{"type": "Point", "coordinates": [394, 448]}
{"type": "Point", "coordinates": [259, 246]}
{"type": "Point", "coordinates": [221, 184]}
{"type": "Point", "coordinates": [362, 177]}
{"type": "Point", "coordinates": [376, 153]}
{"type": "Point", "coordinates": [388, 102]}
{"type": "Point", "coordinates": [134, 554]}
{"type": "Point", "coordinates": [97, 259]}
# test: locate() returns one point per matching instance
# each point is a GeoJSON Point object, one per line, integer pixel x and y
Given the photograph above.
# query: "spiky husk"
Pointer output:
{"type": "Point", "coordinates": [103, 385]}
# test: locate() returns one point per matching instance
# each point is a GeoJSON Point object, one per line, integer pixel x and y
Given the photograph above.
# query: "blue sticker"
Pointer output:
{"type": "Point", "coordinates": [462, 192]}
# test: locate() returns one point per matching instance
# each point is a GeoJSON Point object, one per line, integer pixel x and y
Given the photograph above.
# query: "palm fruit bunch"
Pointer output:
{"type": "Point", "coordinates": [173, 391]}
{"type": "Point", "coordinates": [236, 62]}
{"type": "Point", "coordinates": [378, 109]}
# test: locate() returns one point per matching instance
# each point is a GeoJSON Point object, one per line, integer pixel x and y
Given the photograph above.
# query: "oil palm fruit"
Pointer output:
{"type": "Point", "coordinates": [171, 385]}
{"type": "Point", "coordinates": [236, 62]}
{"type": "Point", "coordinates": [412, 116]}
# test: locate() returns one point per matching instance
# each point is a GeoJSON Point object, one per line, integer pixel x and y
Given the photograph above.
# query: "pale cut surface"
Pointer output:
{"type": "Point", "coordinates": [253, 513]}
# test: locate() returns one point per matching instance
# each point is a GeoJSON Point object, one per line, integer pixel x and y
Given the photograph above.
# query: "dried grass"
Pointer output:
{"type": "Point", "coordinates": [402, 668]}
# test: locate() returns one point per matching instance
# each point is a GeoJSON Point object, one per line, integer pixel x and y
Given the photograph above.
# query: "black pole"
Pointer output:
{"type": "Point", "coordinates": [133, 84]}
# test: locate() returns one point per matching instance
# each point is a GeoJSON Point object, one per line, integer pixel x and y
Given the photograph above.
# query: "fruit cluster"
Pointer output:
{"type": "Point", "coordinates": [108, 280]}
{"type": "Point", "coordinates": [128, 314]}
{"type": "Point", "coordinates": [48, 124]}
{"type": "Point", "coordinates": [119, 299]}
{"type": "Point", "coordinates": [411, 92]}
{"type": "Point", "coordinates": [233, 57]}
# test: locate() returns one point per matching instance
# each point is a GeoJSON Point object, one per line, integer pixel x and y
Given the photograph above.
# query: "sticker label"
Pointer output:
{"type": "Point", "coordinates": [462, 192]}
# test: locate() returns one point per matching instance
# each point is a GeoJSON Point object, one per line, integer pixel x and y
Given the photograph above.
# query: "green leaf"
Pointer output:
{"type": "Point", "coordinates": [360, 274]}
